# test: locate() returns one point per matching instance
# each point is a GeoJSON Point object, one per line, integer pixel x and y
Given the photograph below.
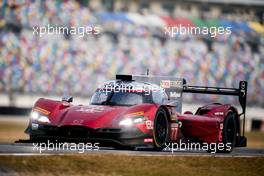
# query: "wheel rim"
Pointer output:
{"type": "Point", "coordinates": [161, 129]}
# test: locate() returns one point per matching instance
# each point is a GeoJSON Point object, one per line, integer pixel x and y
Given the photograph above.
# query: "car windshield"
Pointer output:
{"type": "Point", "coordinates": [117, 98]}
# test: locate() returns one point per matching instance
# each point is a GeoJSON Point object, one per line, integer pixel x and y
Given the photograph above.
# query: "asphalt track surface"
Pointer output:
{"type": "Point", "coordinates": [25, 149]}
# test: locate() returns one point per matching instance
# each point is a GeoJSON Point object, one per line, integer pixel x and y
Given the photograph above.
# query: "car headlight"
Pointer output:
{"type": "Point", "coordinates": [43, 119]}
{"type": "Point", "coordinates": [139, 120]}
{"type": "Point", "coordinates": [34, 115]}
{"type": "Point", "coordinates": [39, 118]}
{"type": "Point", "coordinates": [126, 122]}
{"type": "Point", "coordinates": [131, 121]}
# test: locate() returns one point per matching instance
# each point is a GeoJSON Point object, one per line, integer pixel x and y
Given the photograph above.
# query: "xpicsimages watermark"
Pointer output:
{"type": "Point", "coordinates": [212, 31]}
{"type": "Point", "coordinates": [80, 31]}
{"type": "Point", "coordinates": [192, 146]}
{"type": "Point", "coordinates": [63, 146]}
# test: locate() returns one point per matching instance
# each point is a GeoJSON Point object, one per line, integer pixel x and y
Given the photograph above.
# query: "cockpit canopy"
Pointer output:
{"type": "Point", "coordinates": [128, 93]}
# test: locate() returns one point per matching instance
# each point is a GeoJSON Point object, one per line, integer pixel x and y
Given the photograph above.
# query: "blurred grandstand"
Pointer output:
{"type": "Point", "coordinates": [131, 41]}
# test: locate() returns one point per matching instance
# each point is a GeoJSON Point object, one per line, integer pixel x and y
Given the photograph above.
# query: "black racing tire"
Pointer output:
{"type": "Point", "coordinates": [160, 129]}
{"type": "Point", "coordinates": [229, 132]}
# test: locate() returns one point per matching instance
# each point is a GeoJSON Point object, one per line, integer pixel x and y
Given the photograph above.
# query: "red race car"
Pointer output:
{"type": "Point", "coordinates": [138, 111]}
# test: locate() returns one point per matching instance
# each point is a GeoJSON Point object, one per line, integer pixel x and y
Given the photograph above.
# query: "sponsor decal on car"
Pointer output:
{"type": "Point", "coordinates": [166, 84]}
{"type": "Point", "coordinates": [91, 109]}
{"type": "Point", "coordinates": [77, 122]}
{"type": "Point", "coordinates": [175, 95]}
{"type": "Point", "coordinates": [149, 124]}
{"type": "Point", "coordinates": [176, 84]}
{"type": "Point", "coordinates": [146, 140]}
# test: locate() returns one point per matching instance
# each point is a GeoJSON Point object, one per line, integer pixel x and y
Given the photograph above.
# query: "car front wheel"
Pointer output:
{"type": "Point", "coordinates": [160, 129]}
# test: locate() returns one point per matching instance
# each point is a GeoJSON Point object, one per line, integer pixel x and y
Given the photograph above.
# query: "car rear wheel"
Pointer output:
{"type": "Point", "coordinates": [160, 129]}
{"type": "Point", "coordinates": [229, 132]}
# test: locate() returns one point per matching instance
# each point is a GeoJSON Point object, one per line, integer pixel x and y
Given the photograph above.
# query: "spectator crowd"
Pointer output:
{"type": "Point", "coordinates": [59, 64]}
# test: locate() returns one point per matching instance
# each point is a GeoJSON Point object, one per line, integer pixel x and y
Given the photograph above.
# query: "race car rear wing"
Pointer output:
{"type": "Point", "coordinates": [240, 92]}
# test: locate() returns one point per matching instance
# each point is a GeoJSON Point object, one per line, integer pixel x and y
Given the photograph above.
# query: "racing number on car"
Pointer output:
{"type": "Point", "coordinates": [174, 131]}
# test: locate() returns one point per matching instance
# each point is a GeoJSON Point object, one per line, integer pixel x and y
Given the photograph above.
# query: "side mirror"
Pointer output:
{"type": "Point", "coordinates": [68, 99]}
{"type": "Point", "coordinates": [188, 112]}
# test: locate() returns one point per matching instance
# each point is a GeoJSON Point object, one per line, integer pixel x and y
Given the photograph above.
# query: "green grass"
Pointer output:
{"type": "Point", "coordinates": [11, 131]}
{"type": "Point", "coordinates": [114, 165]}
{"type": "Point", "coordinates": [255, 139]}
